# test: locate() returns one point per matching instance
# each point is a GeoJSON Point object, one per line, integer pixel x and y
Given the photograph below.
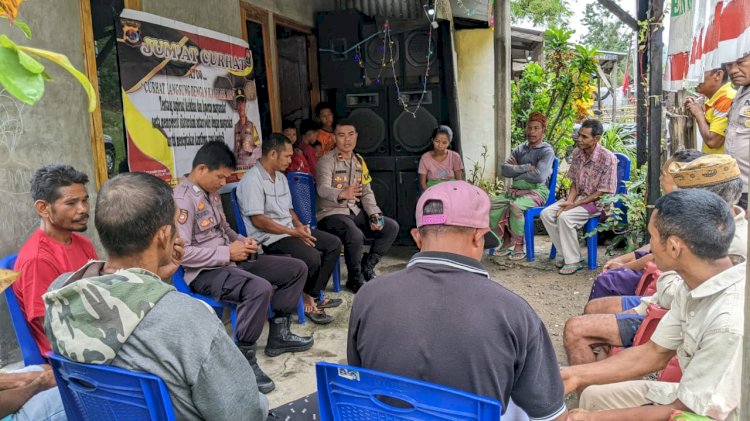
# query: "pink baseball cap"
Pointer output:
{"type": "Point", "coordinates": [464, 205]}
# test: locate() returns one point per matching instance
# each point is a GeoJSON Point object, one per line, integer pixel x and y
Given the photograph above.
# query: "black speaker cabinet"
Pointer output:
{"type": "Point", "coordinates": [407, 183]}
{"type": "Point", "coordinates": [338, 31]}
{"type": "Point", "coordinates": [383, 171]}
{"type": "Point", "coordinates": [378, 51]}
{"type": "Point", "coordinates": [367, 108]}
{"type": "Point", "coordinates": [417, 57]}
{"type": "Point", "coordinates": [410, 134]}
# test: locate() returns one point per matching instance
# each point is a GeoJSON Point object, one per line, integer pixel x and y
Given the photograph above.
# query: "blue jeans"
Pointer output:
{"type": "Point", "coordinates": [44, 406]}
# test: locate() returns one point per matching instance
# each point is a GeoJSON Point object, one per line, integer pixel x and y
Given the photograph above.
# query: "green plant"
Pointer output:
{"type": "Point", "coordinates": [563, 184]}
{"type": "Point", "coordinates": [21, 74]}
{"type": "Point", "coordinates": [614, 139]}
{"type": "Point", "coordinates": [492, 187]}
{"type": "Point", "coordinates": [629, 226]}
{"type": "Point", "coordinates": [561, 90]}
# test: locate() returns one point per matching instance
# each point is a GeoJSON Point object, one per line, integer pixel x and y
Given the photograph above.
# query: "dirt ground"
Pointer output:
{"type": "Point", "coordinates": [554, 297]}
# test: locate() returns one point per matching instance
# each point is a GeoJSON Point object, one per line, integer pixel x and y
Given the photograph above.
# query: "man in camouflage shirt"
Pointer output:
{"type": "Point", "coordinates": [120, 313]}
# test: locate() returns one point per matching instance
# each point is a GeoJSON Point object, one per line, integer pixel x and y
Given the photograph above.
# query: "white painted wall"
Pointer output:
{"type": "Point", "coordinates": [476, 100]}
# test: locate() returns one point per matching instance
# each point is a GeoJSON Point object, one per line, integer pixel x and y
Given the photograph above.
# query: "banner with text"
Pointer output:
{"type": "Point", "coordinates": [182, 87]}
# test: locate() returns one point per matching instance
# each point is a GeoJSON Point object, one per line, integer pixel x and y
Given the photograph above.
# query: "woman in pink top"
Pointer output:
{"type": "Point", "coordinates": [440, 164]}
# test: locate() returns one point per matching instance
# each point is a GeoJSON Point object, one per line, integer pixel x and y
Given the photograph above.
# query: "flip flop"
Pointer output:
{"type": "Point", "coordinates": [328, 302]}
{"type": "Point", "coordinates": [570, 269]}
{"type": "Point", "coordinates": [320, 317]}
{"type": "Point", "coordinates": [501, 252]}
{"type": "Point", "coordinates": [559, 263]}
{"type": "Point", "coordinates": [517, 255]}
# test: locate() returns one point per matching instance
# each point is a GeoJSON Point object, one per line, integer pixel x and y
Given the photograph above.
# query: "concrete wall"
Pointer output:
{"type": "Point", "coordinates": [475, 67]}
{"type": "Point", "coordinates": [300, 11]}
{"type": "Point", "coordinates": [56, 129]}
{"type": "Point", "coordinates": [219, 15]}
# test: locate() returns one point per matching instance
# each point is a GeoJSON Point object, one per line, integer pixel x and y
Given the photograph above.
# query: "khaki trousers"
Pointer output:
{"type": "Point", "coordinates": [563, 230]}
{"type": "Point", "coordinates": [630, 394]}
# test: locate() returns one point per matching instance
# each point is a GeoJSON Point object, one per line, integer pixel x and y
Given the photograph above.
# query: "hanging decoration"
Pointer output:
{"type": "Point", "coordinates": [387, 59]}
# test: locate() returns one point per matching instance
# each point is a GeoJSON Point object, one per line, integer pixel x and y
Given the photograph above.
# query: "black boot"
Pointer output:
{"type": "Point", "coordinates": [265, 384]}
{"type": "Point", "coordinates": [281, 339]}
{"type": "Point", "coordinates": [369, 260]}
{"type": "Point", "coordinates": [355, 279]}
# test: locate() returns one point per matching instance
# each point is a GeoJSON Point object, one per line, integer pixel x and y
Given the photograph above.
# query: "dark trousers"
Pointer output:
{"type": "Point", "coordinates": [250, 286]}
{"type": "Point", "coordinates": [352, 230]}
{"type": "Point", "coordinates": [320, 260]}
{"type": "Point", "coordinates": [743, 201]}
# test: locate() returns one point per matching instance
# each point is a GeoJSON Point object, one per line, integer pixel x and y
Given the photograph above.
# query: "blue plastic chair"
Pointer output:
{"type": "Point", "coordinates": [531, 213]}
{"type": "Point", "coordinates": [353, 393]}
{"type": "Point", "coordinates": [623, 175]}
{"type": "Point", "coordinates": [304, 196]}
{"type": "Point", "coordinates": [92, 392]}
{"type": "Point", "coordinates": [178, 280]}
{"type": "Point", "coordinates": [241, 229]}
{"type": "Point", "coordinates": [29, 349]}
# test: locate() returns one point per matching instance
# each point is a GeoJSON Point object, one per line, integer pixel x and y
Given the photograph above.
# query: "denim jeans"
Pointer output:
{"type": "Point", "coordinates": [44, 406]}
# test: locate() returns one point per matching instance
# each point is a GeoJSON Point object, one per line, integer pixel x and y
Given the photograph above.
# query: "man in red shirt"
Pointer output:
{"type": "Point", "coordinates": [61, 200]}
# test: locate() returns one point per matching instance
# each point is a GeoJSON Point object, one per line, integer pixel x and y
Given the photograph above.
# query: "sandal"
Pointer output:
{"type": "Point", "coordinates": [319, 317]}
{"type": "Point", "coordinates": [560, 263]}
{"type": "Point", "coordinates": [570, 269]}
{"type": "Point", "coordinates": [328, 302]}
{"type": "Point", "coordinates": [501, 252]}
{"type": "Point", "coordinates": [517, 255]}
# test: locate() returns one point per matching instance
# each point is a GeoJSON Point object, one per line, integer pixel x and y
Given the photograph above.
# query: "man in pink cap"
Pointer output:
{"type": "Point", "coordinates": [443, 320]}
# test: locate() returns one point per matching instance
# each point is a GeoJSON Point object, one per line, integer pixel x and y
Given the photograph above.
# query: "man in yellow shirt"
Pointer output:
{"type": "Point", "coordinates": [711, 117]}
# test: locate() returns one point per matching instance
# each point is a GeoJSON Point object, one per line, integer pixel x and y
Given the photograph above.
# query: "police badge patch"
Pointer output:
{"type": "Point", "coordinates": [183, 216]}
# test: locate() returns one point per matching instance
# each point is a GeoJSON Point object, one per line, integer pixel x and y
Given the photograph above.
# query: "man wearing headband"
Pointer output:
{"type": "Point", "coordinates": [530, 166]}
{"type": "Point", "coordinates": [443, 320]}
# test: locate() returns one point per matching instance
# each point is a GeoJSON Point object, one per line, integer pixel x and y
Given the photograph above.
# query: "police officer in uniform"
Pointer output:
{"type": "Point", "coordinates": [347, 207]}
{"type": "Point", "coordinates": [217, 262]}
{"type": "Point", "coordinates": [247, 143]}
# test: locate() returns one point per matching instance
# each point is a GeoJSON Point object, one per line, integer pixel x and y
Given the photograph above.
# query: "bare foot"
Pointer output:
{"type": "Point", "coordinates": [309, 303]}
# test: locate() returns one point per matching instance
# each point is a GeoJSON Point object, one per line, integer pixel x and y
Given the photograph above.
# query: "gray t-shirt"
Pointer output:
{"type": "Point", "coordinates": [443, 320]}
{"type": "Point", "coordinates": [541, 157]}
{"type": "Point", "coordinates": [258, 194]}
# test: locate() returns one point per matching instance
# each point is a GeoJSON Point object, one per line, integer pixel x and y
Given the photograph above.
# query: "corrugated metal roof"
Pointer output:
{"type": "Point", "coordinates": [414, 9]}
{"type": "Point", "coordinates": [404, 9]}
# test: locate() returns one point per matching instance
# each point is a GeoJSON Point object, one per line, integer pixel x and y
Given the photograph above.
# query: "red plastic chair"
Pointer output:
{"type": "Point", "coordinates": [654, 314]}
{"type": "Point", "coordinates": [647, 285]}
{"type": "Point", "coordinates": [671, 373]}
{"type": "Point", "coordinates": [647, 328]}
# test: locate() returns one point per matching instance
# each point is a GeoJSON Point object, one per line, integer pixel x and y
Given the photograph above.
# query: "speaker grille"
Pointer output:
{"type": "Point", "coordinates": [412, 133]}
{"type": "Point", "coordinates": [371, 130]}
{"type": "Point", "coordinates": [416, 44]}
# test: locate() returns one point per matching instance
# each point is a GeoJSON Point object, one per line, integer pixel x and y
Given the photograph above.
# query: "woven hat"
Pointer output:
{"type": "Point", "coordinates": [707, 170]}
